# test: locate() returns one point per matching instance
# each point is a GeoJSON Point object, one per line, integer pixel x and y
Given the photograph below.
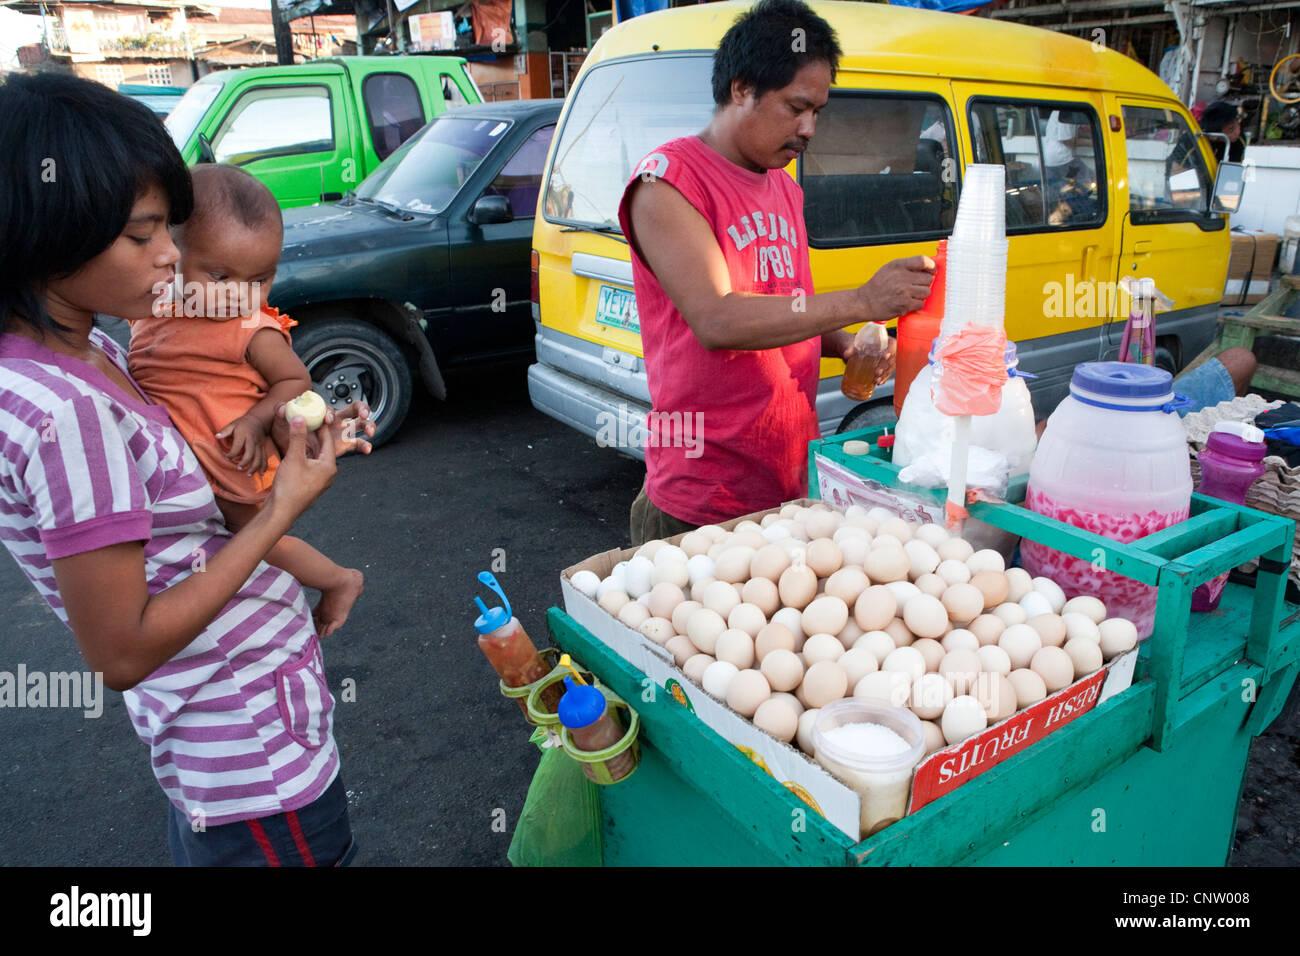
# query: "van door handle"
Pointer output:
{"type": "Point", "coordinates": [330, 197]}
{"type": "Point", "coordinates": [1142, 246]}
{"type": "Point", "coordinates": [1085, 269]}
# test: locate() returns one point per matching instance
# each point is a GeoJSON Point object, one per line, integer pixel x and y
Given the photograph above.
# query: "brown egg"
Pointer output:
{"type": "Point", "coordinates": [664, 598]}
{"type": "Point", "coordinates": [886, 563]}
{"type": "Point", "coordinates": [898, 631]}
{"type": "Point", "coordinates": [682, 649]}
{"type": "Point", "coordinates": [1054, 666]}
{"type": "Point", "coordinates": [824, 682]}
{"type": "Point", "coordinates": [747, 691]}
{"type": "Point", "coordinates": [988, 628]}
{"type": "Point", "coordinates": [997, 695]}
{"type": "Point", "coordinates": [773, 637]}
{"type": "Point", "coordinates": [777, 718]}
{"type": "Point", "coordinates": [761, 593]}
{"type": "Point", "coordinates": [768, 562]}
{"type": "Point", "coordinates": [932, 651]}
{"type": "Point", "coordinates": [993, 585]}
{"type": "Point", "coordinates": [1030, 688]}
{"type": "Point", "coordinates": [963, 602]}
{"type": "Point", "coordinates": [1050, 628]}
{"type": "Point", "coordinates": [783, 669]}
{"type": "Point", "coordinates": [926, 616]}
{"type": "Point", "coordinates": [682, 613]}
{"type": "Point", "coordinates": [825, 557]}
{"type": "Point", "coordinates": [797, 587]}
{"type": "Point", "coordinates": [932, 585]}
{"type": "Point", "coordinates": [875, 607]}
{"type": "Point", "coordinates": [847, 583]}
{"type": "Point", "coordinates": [825, 615]}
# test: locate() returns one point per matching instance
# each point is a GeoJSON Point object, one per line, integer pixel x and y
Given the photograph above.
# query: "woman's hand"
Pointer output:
{"type": "Point", "coordinates": [300, 479]}
{"type": "Point", "coordinates": [351, 427]}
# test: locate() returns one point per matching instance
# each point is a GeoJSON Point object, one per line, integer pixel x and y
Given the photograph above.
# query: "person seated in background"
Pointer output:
{"type": "Point", "coordinates": [1221, 379]}
{"type": "Point", "coordinates": [1223, 117]}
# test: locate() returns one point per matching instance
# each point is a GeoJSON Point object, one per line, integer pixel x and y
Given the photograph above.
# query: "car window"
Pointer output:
{"type": "Point", "coordinates": [520, 179]}
{"type": "Point", "coordinates": [879, 168]}
{"type": "Point", "coordinates": [280, 121]}
{"type": "Point", "coordinates": [429, 169]}
{"type": "Point", "coordinates": [1166, 171]}
{"type": "Point", "coordinates": [451, 92]}
{"type": "Point", "coordinates": [184, 117]}
{"type": "Point", "coordinates": [619, 112]}
{"type": "Point", "coordinates": [393, 110]}
{"type": "Point", "coordinates": [1055, 169]}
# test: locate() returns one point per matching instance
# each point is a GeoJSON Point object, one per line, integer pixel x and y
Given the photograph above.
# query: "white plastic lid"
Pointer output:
{"type": "Point", "coordinates": [1242, 430]}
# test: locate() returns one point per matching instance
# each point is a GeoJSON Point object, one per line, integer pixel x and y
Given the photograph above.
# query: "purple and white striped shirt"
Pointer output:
{"type": "Point", "coordinates": [239, 723]}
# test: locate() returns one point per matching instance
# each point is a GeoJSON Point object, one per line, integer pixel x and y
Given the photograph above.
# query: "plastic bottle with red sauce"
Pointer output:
{"type": "Point", "coordinates": [593, 727]}
{"type": "Point", "coordinates": [509, 650]}
{"type": "Point", "coordinates": [1233, 459]}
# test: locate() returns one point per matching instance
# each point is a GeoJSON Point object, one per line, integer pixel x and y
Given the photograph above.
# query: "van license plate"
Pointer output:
{"type": "Point", "coordinates": [617, 308]}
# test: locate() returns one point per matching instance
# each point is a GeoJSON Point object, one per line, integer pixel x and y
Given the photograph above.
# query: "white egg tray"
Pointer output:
{"type": "Point", "coordinates": [937, 775]}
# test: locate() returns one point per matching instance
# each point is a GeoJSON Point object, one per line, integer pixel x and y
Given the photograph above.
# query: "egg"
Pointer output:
{"type": "Point", "coordinates": [735, 647]}
{"type": "Point", "coordinates": [1086, 655]}
{"type": "Point", "coordinates": [1086, 605]}
{"type": "Point", "coordinates": [897, 527]}
{"type": "Point", "coordinates": [857, 662]}
{"type": "Point", "coordinates": [1010, 614]}
{"type": "Point", "coordinates": [886, 563]}
{"type": "Point", "coordinates": [960, 639]}
{"type": "Point", "coordinates": [803, 736]}
{"type": "Point", "coordinates": [776, 531]}
{"type": "Point", "coordinates": [903, 591]}
{"type": "Point", "coordinates": [722, 597]}
{"type": "Point", "coordinates": [931, 694]}
{"type": "Point", "coordinates": [987, 628]}
{"type": "Point", "coordinates": [993, 586]}
{"type": "Point", "coordinates": [922, 559]}
{"type": "Point", "coordinates": [639, 570]}
{"type": "Point", "coordinates": [1117, 636]}
{"type": "Point", "coordinates": [1035, 603]}
{"type": "Point", "coordinates": [960, 668]}
{"type": "Point", "coordinates": [824, 557]}
{"type": "Point", "coordinates": [932, 534]}
{"type": "Point", "coordinates": [954, 549]}
{"type": "Point", "coordinates": [963, 602]}
{"type": "Point", "coordinates": [997, 695]}
{"type": "Point", "coordinates": [695, 666]}
{"type": "Point", "coordinates": [882, 540]}
{"type": "Point", "coordinates": [633, 614]}
{"type": "Point", "coordinates": [1030, 688]}
{"type": "Point", "coordinates": [849, 634]}
{"type": "Point", "coordinates": [746, 691]}
{"type": "Point", "coordinates": [783, 669]}
{"type": "Point", "coordinates": [695, 543]}
{"type": "Point", "coordinates": [650, 549]}
{"type": "Point", "coordinates": [953, 572]}
{"type": "Point", "coordinates": [1080, 626]}
{"type": "Point", "coordinates": [855, 547]}
{"type": "Point", "coordinates": [790, 699]}
{"type": "Point", "coordinates": [994, 660]}
{"type": "Point", "coordinates": [777, 718]}
{"type": "Point", "coordinates": [880, 514]}
{"type": "Point", "coordinates": [658, 629]}
{"type": "Point", "coordinates": [792, 619]}
{"type": "Point", "coordinates": [716, 549]}
{"type": "Point", "coordinates": [615, 582]}
{"type": "Point", "coordinates": [1054, 666]}
{"type": "Point", "coordinates": [751, 538]}
{"type": "Point", "coordinates": [878, 643]}
{"type": "Point", "coordinates": [703, 627]}
{"type": "Point", "coordinates": [899, 633]}
{"type": "Point", "coordinates": [717, 678]}
{"type": "Point", "coordinates": [1020, 583]}
{"type": "Point", "coordinates": [768, 562]}
{"type": "Point", "coordinates": [1021, 642]}
{"type": "Point", "coordinates": [820, 522]}
{"type": "Point", "coordinates": [772, 637]}
{"type": "Point", "coordinates": [905, 660]}
{"type": "Point", "coordinates": [926, 616]}
{"type": "Point", "coordinates": [664, 598]}
{"type": "Point", "coordinates": [747, 525]}
{"type": "Point", "coordinates": [986, 560]}
{"type": "Point", "coordinates": [699, 587]}
{"type": "Point", "coordinates": [1052, 591]}
{"type": "Point", "coordinates": [824, 682]}
{"type": "Point", "coordinates": [931, 584]}
{"type": "Point", "coordinates": [700, 567]}
{"type": "Point", "coordinates": [761, 593]}
{"type": "Point", "coordinates": [797, 587]}
{"type": "Point", "coordinates": [931, 650]}
{"type": "Point", "coordinates": [681, 648]}
{"type": "Point", "coordinates": [790, 510]}
{"type": "Point", "coordinates": [888, 687]}
{"type": "Point", "coordinates": [682, 613]}
{"type": "Point", "coordinates": [748, 618]}
{"type": "Point", "coordinates": [587, 582]}
{"type": "Point", "coordinates": [934, 741]}
{"type": "Point", "coordinates": [1050, 628]}
{"type": "Point", "coordinates": [825, 615]}
{"type": "Point", "coordinates": [715, 532]}
{"type": "Point", "coordinates": [612, 602]}
{"type": "Point", "coordinates": [847, 583]}
{"type": "Point", "coordinates": [875, 607]}
{"type": "Point", "coordinates": [821, 647]}
{"type": "Point", "coordinates": [732, 565]}
{"type": "Point", "coordinates": [963, 717]}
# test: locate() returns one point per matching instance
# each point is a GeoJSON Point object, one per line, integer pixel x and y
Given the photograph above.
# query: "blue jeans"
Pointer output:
{"type": "Point", "coordinates": [1206, 385]}
{"type": "Point", "coordinates": [318, 834]}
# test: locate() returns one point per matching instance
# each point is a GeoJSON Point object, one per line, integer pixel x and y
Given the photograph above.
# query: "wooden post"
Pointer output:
{"type": "Point", "coordinates": [283, 35]}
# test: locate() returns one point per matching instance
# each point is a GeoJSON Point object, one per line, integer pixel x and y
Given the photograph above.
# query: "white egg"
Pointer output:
{"type": "Point", "coordinates": [1020, 584]}
{"type": "Point", "coordinates": [926, 616]}
{"type": "Point", "coordinates": [1080, 626]}
{"type": "Point", "coordinates": [670, 552]}
{"type": "Point", "coordinates": [878, 643]}
{"type": "Point", "coordinates": [1117, 636]}
{"type": "Point", "coordinates": [650, 549]}
{"type": "Point", "coordinates": [986, 560]}
{"type": "Point", "coordinates": [1086, 655]}
{"type": "Point", "coordinates": [858, 662]}
{"type": "Point", "coordinates": [825, 615]}
{"type": "Point", "coordinates": [639, 570]}
{"type": "Point", "coordinates": [732, 565]}
{"type": "Point", "coordinates": [889, 687]}
{"type": "Point", "coordinates": [634, 614]}
{"type": "Point", "coordinates": [906, 660]}
{"type": "Point", "coordinates": [1052, 591]}
{"type": "Point", "coordinates": [953, 572]}
{"type": "Point", "coordinates": [960, 639]}
{"type": "Point", "coordinates": [721, 596]}
{"type": "Point", "coordinates": [748, 618]}
{"type": "Point", "coordinates": [932, 534]}
{"type": "Point", "coordinates": [922, 557]}
{"type": "Point", "coordinates": [1011, 614]}
{"type": "Point", "coordinates": [792, 619]}
{"type": "Point", "coordinates": [699, 568]}
{"type": "Point", "coordinates": [903, 591]}
{"type": "Point", "coordinates": [963, 717]}
{"type": "Point", "coordinates": [803, 736]}
{"type": "Point", "coordinates": [587, 582]}
{"type": "Point", "coordinates": [695, 543]}
{"type": "Point", "coordinates": [1035, 603]}
{"type": "Point", "coordinates": [608, 584]}
{"type": "Point", "coordinates": [1021, 642]}
{"type": "Point", "coordinates": [671, 571]}
{"type": "Point", "coordinates": [1086, 605]}
{"type": "Point", "coordinates": [703, 628]}
{"type": "Point", "coordinates": [682, 613]}
{"type": "Point", "coordinates": [717, 678]}
{"type": "Point", "coordinates": [735, 647]}
{"type": "Point", "coordinates": [994, 660]}
{"type": "Point", "coordinates": [612, 601]}
{"type": "Point", "coordinates": [954, 549]}
{"type": "Point", "coordinates": [821, 647]}
{"type": "Point", "coordinates": [776, 531]}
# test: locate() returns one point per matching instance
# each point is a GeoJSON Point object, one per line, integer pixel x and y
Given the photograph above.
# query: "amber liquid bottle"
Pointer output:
{"type": "Point", "coordinates": [510, 651]}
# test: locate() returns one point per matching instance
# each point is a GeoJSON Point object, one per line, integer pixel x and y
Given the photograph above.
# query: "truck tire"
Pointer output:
{"type": "Point", "coordinates": [867, 415]}
{"type": "Point", "coordinates": [350, 360]}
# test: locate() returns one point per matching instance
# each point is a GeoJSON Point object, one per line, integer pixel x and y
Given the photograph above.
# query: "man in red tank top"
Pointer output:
{"type": "Point", "coordinates": [731, 328]}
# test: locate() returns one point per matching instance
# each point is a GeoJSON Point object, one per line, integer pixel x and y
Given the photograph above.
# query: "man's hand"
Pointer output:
{"type": "Point", "coordinates": [885, 367]}
{"type": "Point", "coordinates": [898, 287]}
{"type": "Point", "coordinates": [247, 444]}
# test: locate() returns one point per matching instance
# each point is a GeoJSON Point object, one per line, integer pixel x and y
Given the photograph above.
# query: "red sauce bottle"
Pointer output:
{"type": "Point", "coordinates": [506, 645]}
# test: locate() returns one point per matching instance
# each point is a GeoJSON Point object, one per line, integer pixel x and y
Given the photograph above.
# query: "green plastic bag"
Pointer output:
{"type": "Point", "coordinates": [560, 824]}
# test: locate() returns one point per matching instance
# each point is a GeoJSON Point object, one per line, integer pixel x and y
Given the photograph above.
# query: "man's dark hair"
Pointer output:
{"type": "Point", "coordinates": [767, 46]}
{"type": "Point", "coordinates": [74, 158]}
{"type": "Point", "coordinates": [1218, 115]}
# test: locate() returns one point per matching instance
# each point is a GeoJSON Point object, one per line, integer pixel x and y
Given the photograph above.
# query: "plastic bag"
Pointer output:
{"type": "Point", "coordinates": [971, 371]}
{"type": "Point", "coordinates": [561, 823]}
{"type": "Point", "coordinates": [985, 469]}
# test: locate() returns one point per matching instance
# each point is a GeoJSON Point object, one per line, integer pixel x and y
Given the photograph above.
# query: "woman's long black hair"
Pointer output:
{"type": "Point", "coordinates": [74, 158]}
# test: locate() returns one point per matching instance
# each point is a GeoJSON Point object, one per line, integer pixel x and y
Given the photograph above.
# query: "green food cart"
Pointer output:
{"type": "Point", "coordinates": [1150, 776]}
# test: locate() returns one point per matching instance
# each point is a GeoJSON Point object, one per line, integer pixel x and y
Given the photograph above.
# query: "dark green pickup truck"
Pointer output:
{"type": "Point", "coordinates": [315, 130]}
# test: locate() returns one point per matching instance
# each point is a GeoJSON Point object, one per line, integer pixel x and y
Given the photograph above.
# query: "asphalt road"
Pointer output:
{"type": "Point", "coordinates": [432, 754]}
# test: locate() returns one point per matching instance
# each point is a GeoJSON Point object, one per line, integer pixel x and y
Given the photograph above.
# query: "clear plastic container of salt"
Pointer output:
{"type": "Point", "coordinates": [873, 748]}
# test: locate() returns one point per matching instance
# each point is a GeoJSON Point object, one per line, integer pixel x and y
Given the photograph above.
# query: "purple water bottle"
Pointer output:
{"type": "Point", "coordinates": [1231, 462]}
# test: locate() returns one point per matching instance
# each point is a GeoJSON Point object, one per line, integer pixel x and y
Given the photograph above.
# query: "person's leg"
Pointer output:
{"type": "Point", "coordinates": [1205, 386]}
{"type": "Point", "coordinates": [648, 523]}
{"type": "Point", "coordinates": [1241, 365]}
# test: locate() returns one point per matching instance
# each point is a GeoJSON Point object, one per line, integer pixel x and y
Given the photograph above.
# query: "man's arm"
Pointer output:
{"type": "Point", "coordinates": [679, 247]}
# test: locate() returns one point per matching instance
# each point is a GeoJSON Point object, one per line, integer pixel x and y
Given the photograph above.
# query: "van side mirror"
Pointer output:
{"type": "Point", "coordinates": [1229, 185]}
{"type": "Point", "coordinates": [206, 154]}
{"type": "Point", "coordinates": [491, 209]}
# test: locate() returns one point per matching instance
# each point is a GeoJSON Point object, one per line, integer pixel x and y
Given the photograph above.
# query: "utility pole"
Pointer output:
{"type": "Point", "coordinates": [283, 35]}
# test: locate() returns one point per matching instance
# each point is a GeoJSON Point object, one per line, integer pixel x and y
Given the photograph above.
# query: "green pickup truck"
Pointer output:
{"type": "Point", "coordinates": [314, 130]}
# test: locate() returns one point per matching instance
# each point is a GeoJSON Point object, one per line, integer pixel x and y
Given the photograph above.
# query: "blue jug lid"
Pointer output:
{"type": "Point", "coordinates": [581, 706]}
{"type": "Point", "coordinates": [1122, 380]}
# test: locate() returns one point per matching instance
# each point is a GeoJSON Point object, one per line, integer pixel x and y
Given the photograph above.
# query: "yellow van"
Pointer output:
{"type": "Point", "coordinates": [1107, 176]}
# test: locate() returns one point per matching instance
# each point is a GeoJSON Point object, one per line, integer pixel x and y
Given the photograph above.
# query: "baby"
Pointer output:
{"type": "Point", "coordinates": [221, 363]}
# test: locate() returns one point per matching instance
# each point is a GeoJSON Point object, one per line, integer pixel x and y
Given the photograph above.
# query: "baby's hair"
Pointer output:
{"type": "Point", "coordinates": [227, 194]}
{"type": "Point", "coordinates": [76, 157]}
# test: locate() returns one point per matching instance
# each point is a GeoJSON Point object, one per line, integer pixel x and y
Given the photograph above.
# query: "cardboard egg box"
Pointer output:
{"type": "Point", "coordinates": [937, 774]}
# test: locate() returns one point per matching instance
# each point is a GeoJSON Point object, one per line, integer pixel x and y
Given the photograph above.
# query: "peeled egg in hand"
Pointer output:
{"type": "Point", "coordinates": [310, 407]}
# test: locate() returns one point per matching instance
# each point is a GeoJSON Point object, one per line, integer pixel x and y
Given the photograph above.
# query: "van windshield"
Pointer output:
{"type": "Point", "coordinates": [620, 112]}
{"type": "Point", "coordinates": [182, 121]}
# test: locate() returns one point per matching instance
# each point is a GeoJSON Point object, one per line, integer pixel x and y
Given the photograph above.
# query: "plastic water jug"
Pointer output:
{"type": "Point", "coordinates": [1112, 460]}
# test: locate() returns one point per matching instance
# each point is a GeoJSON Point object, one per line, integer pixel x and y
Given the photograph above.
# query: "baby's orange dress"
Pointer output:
{"type": "Point", "coordinates": [198, 369]}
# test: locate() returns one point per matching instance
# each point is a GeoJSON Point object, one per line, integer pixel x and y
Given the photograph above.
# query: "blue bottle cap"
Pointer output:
{"type": "Point", "coordinates": [581, 706]}
{"type": "Point", "coordinates": [492, 619]}
{"type": "Point", "coordinates": [1122, 380]}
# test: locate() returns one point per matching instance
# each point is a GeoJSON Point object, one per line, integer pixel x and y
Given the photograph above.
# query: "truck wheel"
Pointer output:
{"type": "Point", "coordinates": [352, 361]}
{"type": "Point", "coordinates": [867, 415]}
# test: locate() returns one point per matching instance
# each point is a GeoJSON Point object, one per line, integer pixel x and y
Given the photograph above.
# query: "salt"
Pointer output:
{"type": "Point", "coordinates": [867, 740]}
